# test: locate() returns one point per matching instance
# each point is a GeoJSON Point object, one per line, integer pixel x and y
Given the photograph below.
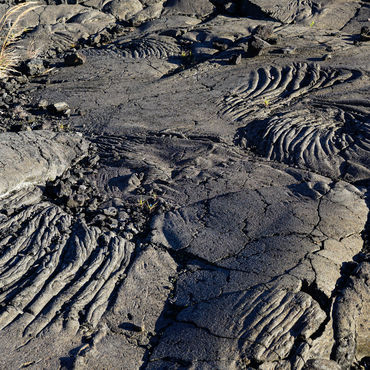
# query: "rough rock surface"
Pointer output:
{"type": "Point", "coordinates": [212, 210]}
{"type": "Point", "coordinates": [61, 26]}
{"type": "Point", "coordinates": [285, 11]}
{"type": "Point", "coordinates": [37, 157]}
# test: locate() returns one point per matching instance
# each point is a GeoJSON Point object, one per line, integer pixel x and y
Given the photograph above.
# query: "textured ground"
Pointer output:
{"type": "Point", "coordinates": [201, 201]}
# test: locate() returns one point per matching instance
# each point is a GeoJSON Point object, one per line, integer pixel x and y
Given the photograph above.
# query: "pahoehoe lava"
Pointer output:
{"type": "Point", "coordinates": [279, 86]}
{"type": "Point", "coordinates": [184, 184]}
{"type": "Point", "coordinates": [332, 141]}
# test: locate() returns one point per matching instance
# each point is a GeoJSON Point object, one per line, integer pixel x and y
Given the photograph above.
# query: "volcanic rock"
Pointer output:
{"type": "Point", "coordinates": [208, 214]}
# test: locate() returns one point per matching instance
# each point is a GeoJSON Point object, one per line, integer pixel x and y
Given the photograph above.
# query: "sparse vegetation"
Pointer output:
{"type": "Point", "coordinates": [10, 32]}
{"type": "Point", "coordinates": [149, 204]}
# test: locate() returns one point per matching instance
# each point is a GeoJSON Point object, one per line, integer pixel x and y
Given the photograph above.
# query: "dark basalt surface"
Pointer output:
{"type": "Point", "coordinates": [183, 184]}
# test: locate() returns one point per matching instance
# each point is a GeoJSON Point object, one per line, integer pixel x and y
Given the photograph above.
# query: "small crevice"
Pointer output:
{"type": "Point", "coordinates": [174, 360]}
{"type": "Point", "coordinates": [324, 302]}
{"type": "Point", "coordinates": [207, 330]}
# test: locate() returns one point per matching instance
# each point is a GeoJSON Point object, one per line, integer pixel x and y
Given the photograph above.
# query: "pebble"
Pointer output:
{"type": "Point", "coordinates": [43, 104]}
{"type": "Point", "coordinates": [99, 219]}
{"type": "Point", "coordinates": [111, 211]}
{"type": "Point", "coordinates": [235, 59]}
{"type": "Point", "coordinates": [112, 223]}
{"type": "Point", "coordinates": [365, 33]}
{"type": "Point", "coordinates": [74, 59]}
{"type": "Point", "coordinates": [131, 228]}
{"type": "Point", "coordinates": [123, 216]}
{"type": "Point", "coordinates": [60, 108]}
{"type": "Point", "coordinates": [219, 45]}
{"type": "Point", "coordinates": [93, 206]}
{"type": "Point", "coordinates": [72, 203]}
{"type": "Point", "coordinates": [33, 67]}
{"type": "Point", "coordinates": [256, 45]}
{"type": "Point", "coordinates": [264, 33]}
{"type": "Point", "coordinates": [128, 236]}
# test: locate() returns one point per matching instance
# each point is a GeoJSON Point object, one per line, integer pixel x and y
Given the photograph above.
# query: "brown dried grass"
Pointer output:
{"type": "Point", "coordinates": [10, 32]}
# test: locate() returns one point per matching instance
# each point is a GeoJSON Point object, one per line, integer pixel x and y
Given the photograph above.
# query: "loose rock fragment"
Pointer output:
{"type": "Point", "coordinates": [74, 59]}
{"type": "Point", "coordinates": [60, 108]}
{"type": "Point", "coordinates": [256, 46]}
{"type": "Point", "coordinates": [365, 33]}
{"type": "Point", "coordinates": [36, 157]}
{"type": "Point", "coordinates": [236, 59]}
{"type": "Point", "coordinates": [33, 67]}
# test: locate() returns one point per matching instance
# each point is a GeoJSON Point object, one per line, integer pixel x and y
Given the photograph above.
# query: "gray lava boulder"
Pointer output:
{"type": "Point", "coordinates": [200, 8]}
{"type": "Point", "coordinates": [285, 11]}
{"type": "Point", "coordinates": [123, 10]}
{"type": "Point", "coordinates": [36, 157]}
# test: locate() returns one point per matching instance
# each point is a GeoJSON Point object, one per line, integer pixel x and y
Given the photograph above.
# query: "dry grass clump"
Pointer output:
{"type": "Point", "coordinates": [10, 33]}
